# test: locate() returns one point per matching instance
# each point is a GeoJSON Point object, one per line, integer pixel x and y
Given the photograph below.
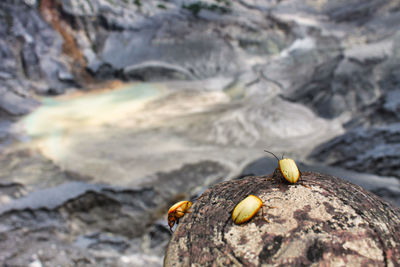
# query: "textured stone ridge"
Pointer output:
{"type": "Point", "coordinates": [335, 223]}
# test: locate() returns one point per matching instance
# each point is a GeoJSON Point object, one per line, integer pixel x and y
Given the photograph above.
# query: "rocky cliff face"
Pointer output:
{"type": "Point", "coordinates": [340, 59]}
{"type": "Point", "coordinates": [33, 60]}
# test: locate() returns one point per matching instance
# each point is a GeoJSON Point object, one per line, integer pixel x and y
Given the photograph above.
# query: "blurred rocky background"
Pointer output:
{"type": "Point", "coordinates": [112, 110]}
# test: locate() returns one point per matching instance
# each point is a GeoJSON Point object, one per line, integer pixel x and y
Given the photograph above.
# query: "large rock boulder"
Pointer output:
{"type": "Point", "coordinates": [333, 223]}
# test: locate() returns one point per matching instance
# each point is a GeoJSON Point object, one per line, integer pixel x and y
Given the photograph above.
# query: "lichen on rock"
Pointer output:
{"type": "Point", "coordinates": [333, 223]}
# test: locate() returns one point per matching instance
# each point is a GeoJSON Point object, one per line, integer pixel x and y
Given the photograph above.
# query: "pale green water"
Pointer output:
{"type": "Point", "coordinates": [123, 134]}
{"type": "Point", "coordinates": [58, 114]}
{"type": "Point", "coordinates": [126, 93]}
{"type": "Point", "coordinates": [60, 123]}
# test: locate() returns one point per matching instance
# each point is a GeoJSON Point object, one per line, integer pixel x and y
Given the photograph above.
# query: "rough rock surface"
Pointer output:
{"type": "Point", "coordinates": [333, 223]}
{"type": "Point", "coordinates": [374, 150]}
